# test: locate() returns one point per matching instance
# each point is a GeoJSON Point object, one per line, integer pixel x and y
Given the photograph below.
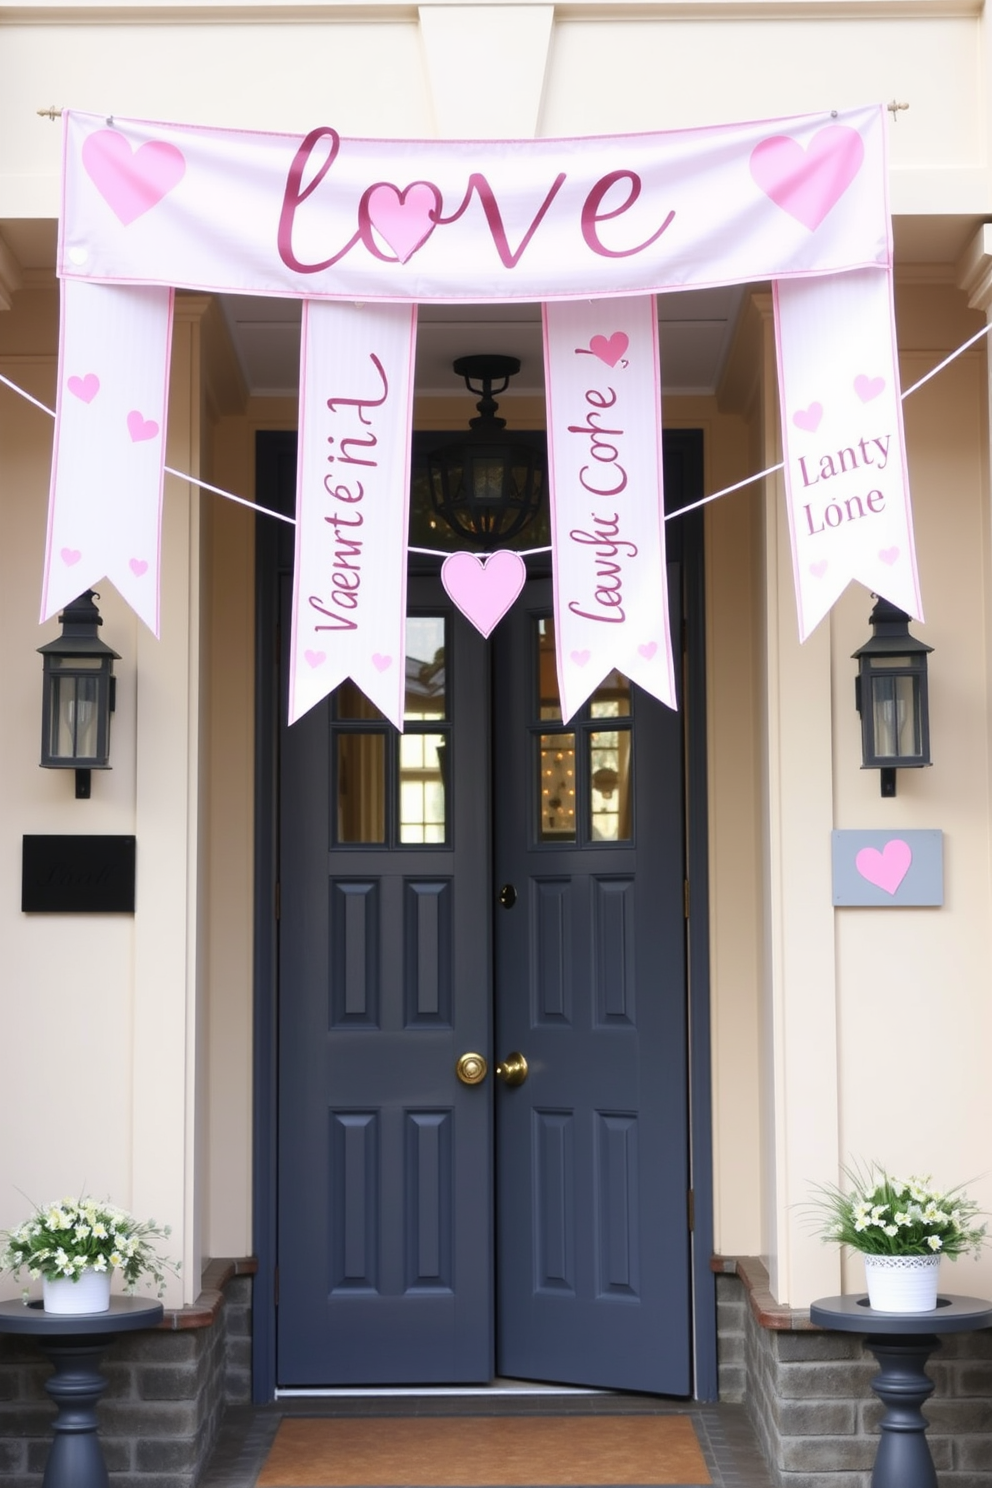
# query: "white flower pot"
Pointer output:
{"type": "Point", "coordinates": [902, 1283]}
{"type": "Point", "coordinates": [91, 1293]}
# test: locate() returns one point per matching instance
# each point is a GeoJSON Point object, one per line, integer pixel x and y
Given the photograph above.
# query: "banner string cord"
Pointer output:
{"type": "Point", "coordinates": [526, 552]}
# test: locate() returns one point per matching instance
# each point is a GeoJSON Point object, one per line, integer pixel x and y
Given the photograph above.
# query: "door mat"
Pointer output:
{"type": "Point", "coordinates": [485, 1452]}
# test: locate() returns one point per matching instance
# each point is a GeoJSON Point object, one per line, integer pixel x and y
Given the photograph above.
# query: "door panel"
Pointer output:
{"type": "Point", "coordinates": [385, 1210]}
{"type": "Point", "coordinates": [592, 1176]}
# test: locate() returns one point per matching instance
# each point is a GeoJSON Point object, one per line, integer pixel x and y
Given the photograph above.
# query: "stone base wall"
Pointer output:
{"type": "Point", "coordinates": [166, 1392]}
{"type": "Point", "coordinates": [809, 1396]}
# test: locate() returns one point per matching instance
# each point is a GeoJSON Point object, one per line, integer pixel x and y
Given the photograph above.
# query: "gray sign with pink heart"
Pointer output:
{"type": "Point", "coordinates": [890, 869]}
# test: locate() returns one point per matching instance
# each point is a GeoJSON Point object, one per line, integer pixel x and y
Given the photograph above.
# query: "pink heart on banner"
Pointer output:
{"type": "Point", "coordinates": [131, 182]}
{"type": "Point", "coordinates": [885, 869]}
{"type": "Point", "coordinates": [807, 183]}
{"type": "Point", "coordinates": [888, 555]}
{"type": "Point", "coordinates": [315, 658]}
{"type": "Point", "coordinates": [819, 568]}
{"type": "Point", "coordinates": [380, 662]}
{"type": "Point", "coordinates": [609, 350]}
{"type": "Point", "coordinates": [484, 590]}
{"type": "Point", "coordinates": [648, 650]}
{"type": "Point", "coordinates": [580, 657]}
{"type": "Point", "coordinates": [406, 218]}
{"type": "Point", "coordinates": [139, 427]}
{"type": "Point", "coordinates": [868, 387]}
{"type": "Point", "coordinates": [138, 567]}
{"type": "Point", "coordinates": [84, 388]}
{"type": "Point", "coordinates": [808, 418]}
{"type": "Point", "coordinates": [70, 556]}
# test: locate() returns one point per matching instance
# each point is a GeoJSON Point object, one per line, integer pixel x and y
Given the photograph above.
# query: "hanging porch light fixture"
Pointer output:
{"type": "Point", "coordinates": [79, 695]}
{"type": "Point", "coordinates": [891, 695]}
{"type": "Point", "coordinates": [486, 488]}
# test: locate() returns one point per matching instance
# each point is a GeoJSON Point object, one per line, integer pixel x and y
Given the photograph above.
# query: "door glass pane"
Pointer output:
{"type": "Point", "coordinates": [548, 702]}
{"type": "Point", "coordinates": [350, 702]}
{"type": "Point", "coordinates": [609, 776]}
{"type": "Point", "coordinates": [556, 791]}
{"type": "Point", "coordinates": [361, 788]}
{"type": "Point", "coordinates": [425, 670]}
{"type": "Point", "coordinates": [422, 788]}
{"type": "Point", "coordinates": [611, 698]}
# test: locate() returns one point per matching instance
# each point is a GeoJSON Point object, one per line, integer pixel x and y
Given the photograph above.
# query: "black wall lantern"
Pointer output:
{"type": "Point", "coordinates": [487, 488]}
{"type": "Point", "coordinates": [891, 696]}
{"type": "Point", "coordinates": [79, 695]}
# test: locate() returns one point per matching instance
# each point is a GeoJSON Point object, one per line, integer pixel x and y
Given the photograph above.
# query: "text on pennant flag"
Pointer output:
{"type": "Point", "coordinates": [842, 432]}
{"type": "Point", "coordinates": [607, 499]}
{"type": "Point", "coordinates": [104, 517]}
{"type": "Point", "coordinates": [352, 504]}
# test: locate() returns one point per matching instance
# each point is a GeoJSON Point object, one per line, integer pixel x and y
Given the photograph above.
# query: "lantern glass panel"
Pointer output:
{"type": "Point", "coordinates": [75, 718]}
{"type": "Point", "coordinates": [898, 730]}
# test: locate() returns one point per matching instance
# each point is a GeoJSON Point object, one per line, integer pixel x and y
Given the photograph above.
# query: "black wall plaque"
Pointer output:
{"type": "Point", "coordinates": [78, 875]}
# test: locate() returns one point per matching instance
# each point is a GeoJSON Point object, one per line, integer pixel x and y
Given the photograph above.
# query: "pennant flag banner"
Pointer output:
{"type": "Point", "coordinates": [362, 231]}
{"type": "Point", "coordinates": [842, 432]}
{"type": "Point", "coordinates": [105, 504]}
{"type": "Point", "coordinates": [352, 504]}
{"type": "Point", "coordinates": [607, 499]}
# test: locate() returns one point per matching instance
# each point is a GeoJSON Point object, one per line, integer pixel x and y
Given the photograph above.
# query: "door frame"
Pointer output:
{"type": "Point", "coordinates": [683, 447]}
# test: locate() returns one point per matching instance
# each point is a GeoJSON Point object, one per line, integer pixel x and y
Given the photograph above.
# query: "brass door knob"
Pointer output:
{"type": "Point", "coordinates": [513, 1070]}
{"type": "Point", "coordinates": [472, 1069]}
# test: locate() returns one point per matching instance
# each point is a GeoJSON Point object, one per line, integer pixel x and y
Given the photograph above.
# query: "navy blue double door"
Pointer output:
{"type": "Point", "coordinates": [493, 882]}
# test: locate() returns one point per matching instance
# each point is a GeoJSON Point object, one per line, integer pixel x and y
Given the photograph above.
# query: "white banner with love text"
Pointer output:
{"type": "Point", "coordinates": [842, 432]}
{"type": "Point", "coordinates": [352, 504]}
{"type": "Point", "coordinates": [105, 501]}
{"type": "Point", "coordinates": [603, 382]}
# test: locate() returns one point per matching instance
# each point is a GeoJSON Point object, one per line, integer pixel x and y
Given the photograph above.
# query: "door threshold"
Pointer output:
{"type": "Point", "coordinates": [498, 1387]}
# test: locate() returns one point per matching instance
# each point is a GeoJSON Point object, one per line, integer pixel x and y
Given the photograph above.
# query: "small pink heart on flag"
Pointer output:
{"type": "Point", "coordinates": [131, 182]}
{"type": "Point", "coordinates": [888, 555]}
{"type": "Point", "coordinates": [70, 556]}
{"type": "Point", "coordinates": [609, 349]}
{"type": "Point", "coordinates": [868, 387]}
{"type": "Point", "coordinates": [139, 427]}
{"type": "Point", "coordinates": [84, 388]}
{"type": "Point", "coordinates": [808, 418]}
{"type": "Point", "coordinates": [138, 567]}
{"type": "Point", "coordinates": [885, 869]}
{"type": "Point", "coordinates": [315, 658]}
{"type": "Point", "coordinates": [405, 218]}
{"type": "Point", "coordinates": [806, 183]}
{"type": "Point", "coordinates": [484, 589]}
{"type": "Point", "coordinates": [648, 650]}
{"type": "Point", "coordinates": [819, 568]}
{"type": "Point", "coordinates": [581, 657]}
{"type": "Point", "coordinates": [380, 662]}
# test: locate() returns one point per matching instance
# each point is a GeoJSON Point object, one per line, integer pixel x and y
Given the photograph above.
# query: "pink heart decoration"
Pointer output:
{"type": "Point", "coordinates": [648, 650]}
{"type": "Point", "coordinates": [580, 657]}
{"type": "Point", "coordinates": [819, 568]}
{"type": "Point", "coordinates": [888, 555]}
{"type": "Point", "coordinates": [807, 183]}
{"type": "Point", "coordinates": [380, 662]}
{"type": "Point", "coordinates": [609, 350]}
{"type": "Point", "coordinates": [84, 388]}
{"type": "Point", "coordinates": [868, 387]}
{"type": "Point", "coordinates": [138, 567]}
{"type": "Point", "coordinates": [484, 590]}
{"type": "Point", "coordinates": [808, 418]}
{"type": "Point", "coordinates": [406, 218]}
{"type": "Point", "coordinates": [885, 869]}
{"type": "Point", "coordinates": [315, 658]}
{"type": "Point", "coordinates": [131, 182]}
{"type": "Point", "coordinates": [70, 556]}
{"type": "Point", "coordinates": [139, 427]}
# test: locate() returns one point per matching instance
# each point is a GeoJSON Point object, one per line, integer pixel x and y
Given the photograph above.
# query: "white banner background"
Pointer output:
{"type": "Point", "coordinates": [607, 500]}
{"type": "Point", "coordinates": [352, 504]}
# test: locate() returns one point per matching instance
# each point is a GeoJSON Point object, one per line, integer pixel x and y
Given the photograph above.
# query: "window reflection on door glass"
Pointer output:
{"type": "Point", "coordinates": [425, 669]}
{"type": "Point", "coordinates": [361, 788]}
{"type": "Point", "coordinates": [548, 702]}
{"type": "Point", "coordinates": [611, 698]}
{"type": "Point", "coordinates": [351, 703]}
{"type": "Point", "coordinates": [556, 765]}
{"type": "Point", "coordinates": [422, 787]}
{"type": "Point", "coordinates": [609, 778]}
